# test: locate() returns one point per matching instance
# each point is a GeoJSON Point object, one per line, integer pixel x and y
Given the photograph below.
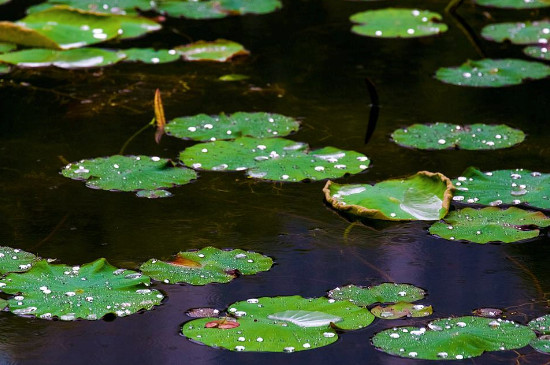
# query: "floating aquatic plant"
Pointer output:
{"type": "Point", "coordinates": [150, 55]}
{"type": "Point", "coordinates": [383, 293]}
{"type": "Point", "coordinates": [220, 50]}
{"type": "Point", "coordinates": [210, 9]}
{"type": "Point", "coordinates": [15, 260]}
{"type": "Point", "coordinates": [539, 52]}
{"type": "Point", "coordinates": [514, 4]}
{"type": "Point", "coordinates": [69, 59]}
{"type": "Point", "coordinates": [121, 7]}
{"type": "Point", "coordinates": [518, 33]}
{"type": "Point", "coordinates": [7, 47]}
{"type": "Point", "coordinates": [400, 310]}
{"type": "Point", "coordinates": [542, 326]}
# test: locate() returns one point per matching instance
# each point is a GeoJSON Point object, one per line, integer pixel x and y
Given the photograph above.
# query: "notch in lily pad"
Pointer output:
{"type": "Point", "coordinates": [15, 260]}
{"type": "Point", "coordinates": [383, 293]}
{"type": "Point", "coordinates": [89, 291]}
{"type": "Point", "coordinates": [423, 196]}
{"type": "Point", "coordinates": [129, 173]}
{"type": "Point", "coordinates": [440, 136]}
{"type": "Point", "coordinates": [220, 50]}
{"type": "Point", "coordinates": [208, 265]}
{"type": "Point", "coordinates": [490, 224]}
{"type": "Point", "coordinates": [397, 23]}
{"type": "Point", "coordinates": [453, 338]}
{"type": "Point", "coordinates": [401, 309]}
{"type": "Point", "coordinates": [280, 324]}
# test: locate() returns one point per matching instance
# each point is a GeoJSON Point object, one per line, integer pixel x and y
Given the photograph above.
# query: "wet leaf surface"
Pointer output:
{"type": "Point", "coordinates": [202, 312]}
{"type": "Point", "coordinates": [400, 310]}
{"type": "Point", "coordinates": [69, 59]}
{"type": "Point", "coordinates": [121, 7]}
{"type": "Point", "coordinates": [383, 293]}
{"type": "Point", "coordinates": [15, 260]}
{"type": "Point", "coordinates": [518, 33]}
{"type": "Point", "coordinates": [540, 53]}
{"type": "Point", "coordinates": [150, 55]}
{"type": "Point", "coordinates": [210, 9]}
{"type": "Point", "coordinates": [220, 50]}
{"type": "Point", "coordinates": [488, 312]}
{"type": "Point", "coordinates": [514, 4]}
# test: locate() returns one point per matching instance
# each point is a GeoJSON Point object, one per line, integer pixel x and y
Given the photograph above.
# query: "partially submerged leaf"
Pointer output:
{"type": "Point", "coordinates": [423, 196]}
{"type": "Point", "coordinates": [397, 23]}
{"type": "Point", "coordinates": [383, 293]}
{"type": "Point", "coordinates": [202, 312]}
{"type": "Point", "coordinates": [514, 4]}
{"type": "Point", "coordinates": [488, 312]}
{"type": "Point", "coordinates": [400, 310]}
{"type": "Point", "coordinates": [490, 224]}
{"type": "Point", "coordinates": [69, 59]}
{"type": "Point", "coordinates": [211, 9]}
{"type": "Point", "coordinates": [209, 265]}
{"type": "Point", "coordinates": [7, 47]}
{"type": "Point", "coordinates": [441, 136]}
{"type": "Point", "coordinates": [518, 33]}
{"type": "Point", "coordinates": [153, 194]}
{"type": "Point", "coordinates": [541, 324]}
{"type": "Point", "coordinates": [88, 292]}
{"type": "Point", "coordinates": [453, 338]}
{"type": "Point", "coordinates": [150, 55]}
{"type": "Point", "coordinates": [493, 73]}
{"type": "Point", "coordinates": [220, 50]}
{"type": "Point", "coordinates": [15, 260]}
{"type": "Point", "coordinates": [540, 53]}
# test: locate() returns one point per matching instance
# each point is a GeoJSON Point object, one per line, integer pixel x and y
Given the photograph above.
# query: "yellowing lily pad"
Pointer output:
{"type": "Point", "coordinates": [220, 50]}
{"type": "Point", "coordinates": [69, 59]}
{"type": "Point", "coordinates": [423, 196]}
{"type": "Point", "coordinates": [209, 265]}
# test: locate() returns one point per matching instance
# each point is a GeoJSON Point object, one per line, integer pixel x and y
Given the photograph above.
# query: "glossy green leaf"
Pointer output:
{"type": "Point", "coordinates": [453, 338]}
{"type": "Point", "coordinates": [541, 324]}
{"type": "Point", "coordinates": [211, 9]}
{"type": "Point", "coordinates": [541, 344]}
{"type": "Point", "coordinates": [493, 73]}
{"type": "Point", "coordinates": [540, 53]}
{"type": "Point", "coordinates": [280, 324]}
{"type": "Point", "coordinates": [423, 196]}
{"type": "Point", "coordinates": [88, 292]}
{"type": "Point", "coordinates": [400, 310]}
{"type": "Point", "coordinates": [220, 50]}
{"type": "Point", "coordinates": [440, 136]}
{"type": "Point", "coordinates": [383, 293]}
{"type": "Point", "coordinates": [128, 173]}
{"type": "Point", "coordinates": [150, 55]}
{"type": "Point", "coordinates": [135, 26]}
{"type": "Point", "coordinates": [514, 4]}
{"type": "Point", "coordinates": [121, 7]}
{"type": "Point", "coordinates": [7, 47]}
{"type": "Point", "coordinates": [494, 188]}
{"type": "Point", "coordinates": [490, 224]}
{"type": "Point", "coordinates": [15, 260]}
{"type": "Point", "coordinates": [69, 59]}
{"type": "Point", "coordinates": [397, 23]}
{"type": "Point", "coordinates": [219, 127]}
{"type": "Point", "coordinates": [518, 33]}
{"type": "Point", "coordinates": [153, 194]}
{"type": "Point", "coordinates": [209, 265]}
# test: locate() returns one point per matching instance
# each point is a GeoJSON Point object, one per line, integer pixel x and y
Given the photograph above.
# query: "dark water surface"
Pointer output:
{"type": "Point", "coordinates": [308, 65]}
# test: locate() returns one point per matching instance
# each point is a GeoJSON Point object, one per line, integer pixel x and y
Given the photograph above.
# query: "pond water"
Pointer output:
{"type": "Point", "coordinates": [304, 63]}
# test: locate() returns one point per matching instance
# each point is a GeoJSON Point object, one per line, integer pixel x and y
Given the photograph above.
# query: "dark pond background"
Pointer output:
{"type": "Point", "coordinates": [305, 63]}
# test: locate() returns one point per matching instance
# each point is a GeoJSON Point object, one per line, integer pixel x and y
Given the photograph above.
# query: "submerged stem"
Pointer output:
{"type": "Point", "coordinates": [530, 274]}
{"type": "Point", "coordinates": [463, 26]}
{"type": "Point", "coordinates": [374, 109]}
{"type": "Point", "coordinates": [151, 123]}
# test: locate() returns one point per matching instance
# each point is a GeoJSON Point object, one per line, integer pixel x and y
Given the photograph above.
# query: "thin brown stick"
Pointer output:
{"type": "Point", "coordinates": [530, 274]}
{"type": "Point", "coordinates": [52, 233]}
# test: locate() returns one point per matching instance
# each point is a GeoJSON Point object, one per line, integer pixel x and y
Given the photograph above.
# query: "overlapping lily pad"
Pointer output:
{"type": "Point", "coordinates": [275, 159]}
{"type": "Point", "coordinates": [441, 136]}
{"type": "Point", "coordinates": [383, 293]}
{"type": "Point", "coordinates": [518, 33]}
{"type": "Point", "coordinates": [121, 7]}
{"type": "Point", "coordinates": [7, 47]}
{"type": "Point", "coordinates": [490, 224]}
{"type": "Point", "coordinates": [397, 23]}
{"type": "Point", "coordinates": [493, 72]}
{"type": "Point", "coordinates": [423, 196]}
{"type": "Point", "coordinates": [69, 59]}
{"type": "Point", "coordinates": [542, 326]}
{"type": "Point", "coordinates": [150, 55]}
{"type": "Point", "coordinates": [280, 324]}
{"type": "Point", "coordinates": [220, 50]}
{"type": "Point", "coordinates": [453, 338]}
{"type": "Point", "coordinates": [209, 265]}
{"type": "Point", "coordinates": [518, 186]}
{"type": "Point", "coordinates": [514, 4]}
{"type": "Point", "coordinates": [203, 127]}
{"type": "Point", "coordinates": [129, 173]}
{"type": "Point", "coordinates": [400, 310]}
{"type": "Point", "coordinates": [540, 53]}
{"type": "Point", "coordinates": [15, 260]}
{"type": "Point", "coordinates": [88, 292]}
{"type": "Point", "coordinates": [210, 9]}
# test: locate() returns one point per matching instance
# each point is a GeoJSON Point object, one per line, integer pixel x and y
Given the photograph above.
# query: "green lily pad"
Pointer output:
{"type": "Point", "coordinates": [150, 55]}
{"type": "Point", "coordinates": [541, 344]}
{"type": "Point", "coordinates": [518, 33]}
{"type": "Point", "coordinates": [209, 265]}
{"type": "Point", "coordinates": [541, 324]}
{"type": "Point", "coordinates": [128, 173]}
{"type": "Point", "coordinates": [220, 50]}
{"type": "Point", "coordinates": [383, 293]}
{"type": "Point", "coordinates": [87, 292]}
{"type": "Point", "coordinates": [540, 53]}
{"type": "Point", "coordinates": [204, 128]}
{"type": "Point", "coordinates": [69, 59]}
{"type": "Point", "coordinates": [400, 310]}
{"type": "Point", "coordinates": [441, 136]}
{"type": "Point", "coordinates": [453, 338]}
{"type": "Point", "coordinates": [153, 194]}
{"type": "Point", "coordinates": [15, 260]}
{"type": "Point", "coordinates": [423, 196]}
{"type": "Point", "coordinates": [397, 23]}
{"type": "Point", "coordinates": [233, 77]}
{"type": "Point", "coordinates": [514, 4]}
{"type": "Point", "coordinates": [490, 224]}
{"type": "Point", "coordinates": [280, 324]}
{"type": "Point", "coordinates": [494, 188]}
{"type": "Point", "coordinates": [212, 9]}
{"type": "Point", "coordinates": [493, 73]}
{"type": "Point", "coordinates": [135, 26]}
{"type": "Point", "coordinates": [7, 47]}
{"type": "Point", "coordinates": [121, 7]}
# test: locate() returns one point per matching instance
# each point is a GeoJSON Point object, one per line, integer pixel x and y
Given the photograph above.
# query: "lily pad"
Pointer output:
{"type": "Point", "coordinates": [498, 187]}
{"type": "Point", "coordinates": [219, 127]}
{"type": "Point", "coordinates": [397, 23]}
{"type": "Point", "coordinates": [490, 224]}
{"type": "Point", "coordinates": [280, 324]}
{"type": "Point", "coordinates": [129, 173]}
{"type": "Point", "coordinates": [220, 50]}
{"type": "Point", "coordinates": [211, 9]}
{"type": "Point", "coordinates": [541, 324]}
{"type": "Point", "coordinates": [514, 4]}
{"type": "Point", "coordinates": [540, 53]}
{"type": "Point", "coordinates": [518, 33]}
{"type": "Point", "coordinates": [383, 293]}
{"type": "Point", "coordinates": [135, 26]}
{"type": "Point", "coordinates": [493, 73]}
{"type": "Point", "coordinates": [423, 196]}
{"type": "Point", "coordinates": [88, 292]}
{"type": "Point", "coordinates": [150, 55]}
{"type": "Point", "coordinates": [153, 194]}
{"type": "Point", "coordinates": [209, 265]}
{"type": "Point", "coordinates": [233, 77]}
{"type": "Point", "coordinates": [441, 136]}
{"type": "Point", "coordinates": [400, 310]}
{"type": "Point", "coordinates": [69, 59]}
{"type": "Point", "coordinates": [15, 260]}
{"type": "Point", "coordinates": [121, 7]}
{"type": "Point", "coordinates": [541, 344]}
{"type": "Point", "coordinates": [453, 338]}
{"type": "Point", "coordinates": [7, 47]}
